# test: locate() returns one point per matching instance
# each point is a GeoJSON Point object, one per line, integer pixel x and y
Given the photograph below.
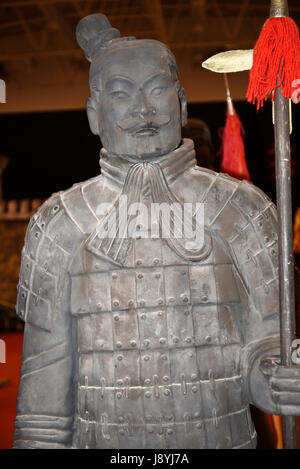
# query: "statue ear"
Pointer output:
{"type": "Point", "coordinates": [183, 104]}
{"type": "Point", "coordinates": [92, 116]}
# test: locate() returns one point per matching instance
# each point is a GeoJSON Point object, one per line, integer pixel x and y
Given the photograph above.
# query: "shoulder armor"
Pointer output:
{"type": "Point", "coordinates": [51, 240]}
{"type": "Point", "coordinates": [247, 224]}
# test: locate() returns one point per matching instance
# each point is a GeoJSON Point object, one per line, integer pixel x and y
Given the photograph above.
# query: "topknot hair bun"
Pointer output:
{"type": "Point", "coordinates": [92, 32]}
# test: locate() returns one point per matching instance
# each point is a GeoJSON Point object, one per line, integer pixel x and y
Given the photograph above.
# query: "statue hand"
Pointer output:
{"type": "Point", "coordinates": [284, 383]}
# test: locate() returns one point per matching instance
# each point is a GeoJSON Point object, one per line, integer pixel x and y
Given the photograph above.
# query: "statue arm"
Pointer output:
{"type": "Point", "coordinates": [45, 405]}
{"type": "Point", "coordinates": [269, 386]}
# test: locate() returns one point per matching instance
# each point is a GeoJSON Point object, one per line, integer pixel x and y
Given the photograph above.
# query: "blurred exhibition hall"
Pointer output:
{"type": "Point", "coordinates": [46, 145]}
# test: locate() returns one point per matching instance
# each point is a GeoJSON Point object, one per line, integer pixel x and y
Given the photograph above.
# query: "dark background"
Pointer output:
{"type": "Point", "coordinates": [53, 150]}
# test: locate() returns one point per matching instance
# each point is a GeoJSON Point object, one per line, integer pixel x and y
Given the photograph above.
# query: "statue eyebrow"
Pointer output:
{"type": "Point", "coordinates": [163, 75]}
{"type": "Point", "coordinates": [117, 79]}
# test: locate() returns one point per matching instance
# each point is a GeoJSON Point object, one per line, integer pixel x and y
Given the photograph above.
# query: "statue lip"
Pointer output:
{"type": "Point", "coordinates": [144, 130]}
{"type": "Point", "coordinates": [142, 127]}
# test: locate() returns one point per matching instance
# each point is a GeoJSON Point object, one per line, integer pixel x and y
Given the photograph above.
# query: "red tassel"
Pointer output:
{"type": "Point", "coordinates": [276, 54]}
{"type": "Point", "coordinates": [234, 161]}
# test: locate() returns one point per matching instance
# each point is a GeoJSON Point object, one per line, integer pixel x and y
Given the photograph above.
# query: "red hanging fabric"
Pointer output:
{"type": "Point", "coordinates": [233, 150]}
{"type": "Point", "coordinates": [276, 55]}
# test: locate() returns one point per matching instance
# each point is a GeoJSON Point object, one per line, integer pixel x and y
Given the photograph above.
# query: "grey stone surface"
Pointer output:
{"type": "Point", "coordinates": [136, 342]}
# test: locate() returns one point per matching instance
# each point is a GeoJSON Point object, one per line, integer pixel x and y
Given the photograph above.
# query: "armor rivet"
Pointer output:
{"type": "Point", "coordinates": [142, 303]}
{"type": "Point", "coordinates": [160, 314]}
{"type": "Point", "coordinates": [119, 344]}
{"type": "Point", "coordinates": [259, 223]}
{"type": "Point", "coordinates": [176, 340]}
{"type": "Point", "coordinates": [157, 275]}
{"type": "Point", "coordinates": [140, 276]}
{"type": "Point", "coordinates": [120, 382]}
{"type": "Point", "coordinates": [116, 303]}
{"type": "Point", "coordinates": [100, 343]}
{"type": "Point", "coordinates": [194, 388]}
{"type": "Point", "coordinates": [121, 431]}
{"type": "Point", "coordinates": [114, 276]}
{"type": "Point", "coordinates": [194, 376]}
{"type": "Point", "coordinates": [167, 392]}
{"type": "Point", "coordinates": [191, 354]}
{"type": "Point", "coordinates": [186, 313]}
{"type": "Point", "coordinates": [146, 358]}
{"type": "Point", "coordinates": [147, 394]}
{"type": "Point", "coordinates": [119, 395]}
{"type": "Point", "coordinates": [121, 419]}
{"type": "Point", "coordinates": [99, 306]}
{"type": "Point", "coordinates": [116, 318]}
{"type": "Point", "coordinates": [251, 213]}
{"type": "Point", "coordinates": [120, 358]}
{"type": "Point", "coordinates": [267, 239]}
{"type": "Point", "coordinates": [204, 298]}
{"type": "Point", "coordinates": [130, 303]}
{"type": "Point", "coordinates": [156, 261]}
{"type": "Point", "coordinates": [147, 381]}
{"type": "Point", "coordinates": [55, 208]}
{"type": "Point", "coordinates": [171, 300]}
{"type": "Point", "coordinates": [161, 432]}
{"type": "Point", "coordinates": [273, 252]}
{"type": "Point", "coordinates": [169, 431]}
{"type": "Point", "coordinates": [197, 415]}
{"type": "Point", "coordinates": [37, 234]}
{"type": "Point", "coordinates": [143, 316]}
{"type": "Point", "coordinates": [162, 340]}
{"type": "Point", "coordinates": [208, 339]}
{"type": "Point", "coordinates": [185, 299]}
{"type": "Point", "coordinates": [138, 262]}
{"type": "Point", "coordinates": [160, 301]}
{"type": "Point", "coordinates": [164, 357]}
{"type": "Point", "coordinates": [146, 342]}
{"type": "Point", "coordinates": [199, 425]}
{"type": "Point", "coordinates": [133, 343]}
{"type": "Point", "coordinates": [188, 340]}
{"type": "Point", "coordinates": [166, 378]}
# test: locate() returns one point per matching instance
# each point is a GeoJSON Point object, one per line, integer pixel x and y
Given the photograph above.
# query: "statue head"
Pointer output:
{"type": "Point", "coordinates": [137, 105]}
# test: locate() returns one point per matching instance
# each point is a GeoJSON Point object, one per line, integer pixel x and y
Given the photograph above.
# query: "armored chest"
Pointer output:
{"type": "Point", "coordinates": [158, 354]}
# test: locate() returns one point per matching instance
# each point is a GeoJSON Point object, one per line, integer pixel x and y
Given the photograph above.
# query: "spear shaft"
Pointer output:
{"type": "Point", "coordinates": [279, 8]}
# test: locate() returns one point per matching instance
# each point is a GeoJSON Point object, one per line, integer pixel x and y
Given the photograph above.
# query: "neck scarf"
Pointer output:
{"type": "Point", "coordinates": [110, 238]}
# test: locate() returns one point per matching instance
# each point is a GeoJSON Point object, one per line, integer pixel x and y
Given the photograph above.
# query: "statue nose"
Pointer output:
{"type": "Point", "coordinates": [142, 107]}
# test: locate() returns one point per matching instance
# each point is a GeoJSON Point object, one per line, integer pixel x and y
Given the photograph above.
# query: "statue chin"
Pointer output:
{"type": "Point", "coordinates": [145, 148]}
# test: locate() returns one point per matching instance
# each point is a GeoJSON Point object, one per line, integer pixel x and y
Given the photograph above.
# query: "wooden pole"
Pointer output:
{"type": "Point", "coordinates": [279, 8]}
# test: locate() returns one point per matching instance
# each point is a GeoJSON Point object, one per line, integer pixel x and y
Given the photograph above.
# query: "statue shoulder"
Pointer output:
{"type": "Point", "coordinates": [246, 222]}
{"type": "Point", "coordinates": [54, 234]}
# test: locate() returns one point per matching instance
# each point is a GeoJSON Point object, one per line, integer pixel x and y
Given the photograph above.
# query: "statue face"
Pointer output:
{"type": "Point", "coordinates": [138, 111]}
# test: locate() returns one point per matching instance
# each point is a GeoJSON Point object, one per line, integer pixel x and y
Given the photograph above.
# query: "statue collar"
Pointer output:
{"type": "Point", "coordinates": [175, 163]}
{"type": "Point", "coordinates": [110, 238]}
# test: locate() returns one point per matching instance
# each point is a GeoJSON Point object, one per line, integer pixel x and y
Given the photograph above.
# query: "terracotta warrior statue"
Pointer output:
{"type": "Point", "coordinates": [133, 338]}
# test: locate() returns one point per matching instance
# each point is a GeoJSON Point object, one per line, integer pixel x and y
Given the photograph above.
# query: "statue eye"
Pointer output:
{"type": "Point", "coordinates": [119, 95]}
{"type": "Point", "coordinates": [158, 90]}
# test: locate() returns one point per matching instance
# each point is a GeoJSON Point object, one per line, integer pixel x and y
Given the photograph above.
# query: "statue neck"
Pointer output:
{"type": "Point", "coordinates": [115, 168]}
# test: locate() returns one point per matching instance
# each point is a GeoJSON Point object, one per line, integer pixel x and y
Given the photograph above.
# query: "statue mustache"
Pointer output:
{"type": "Point", "coordinates": [134, 124]}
